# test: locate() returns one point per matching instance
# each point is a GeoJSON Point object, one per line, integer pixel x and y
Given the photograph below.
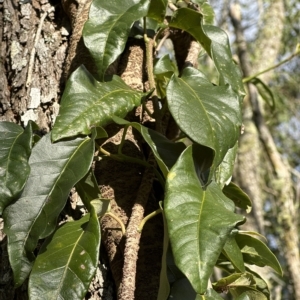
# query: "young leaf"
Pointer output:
{"type": "Point", "coordinates": [55, 168]}
{"type": "Point", "coordinates": [195, 105]}
{"type": "Point", "coordinates": [195, 218]}
{"type": "Point", "coordinates": [233, 281]}
{"type": "Point", "coordinates": [239, 197]}
{"type": "Point", "coordinates": [232, 251]}
{"type": "Point", "coordinates": [157, 10]}
{"type": "Point", "coordinates": [225, 169]}
{"type": "Point", "coordinates": [88, 191]}
{"type": "Point", "coordinates": [15, 149]}
{"type": "Point", "coordinates": [107, 29]}
{"type": "Point", "coordinates": [87, 103]}
{"type": "Point", "coordinates": [165, 151]}
{"type": "Point", "coordinates": [67, 261]}
{"type": "Point", "coordinates": [264, 91]}
{"type": "Point", "coordinates": [215, 41]}
{"type": "Point", "coordinates": [257, 253]}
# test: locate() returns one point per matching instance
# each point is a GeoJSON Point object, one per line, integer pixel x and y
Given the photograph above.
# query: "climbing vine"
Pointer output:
{"type": "Point", "coordinates": [193, 167]}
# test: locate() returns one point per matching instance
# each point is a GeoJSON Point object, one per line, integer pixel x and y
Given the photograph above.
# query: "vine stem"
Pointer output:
{"type": "Point", "coordinates": [297, 52]}
{"type": "Point", "coordinates": [133, 236]}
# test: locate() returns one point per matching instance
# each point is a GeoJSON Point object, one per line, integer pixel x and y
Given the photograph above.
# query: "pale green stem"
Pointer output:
{"type": "Point", "coordinates": [118, 220]}
{"type": "Point", "coordinates": [247, 79]}
{"type": "Point", "coordinates": [148, 217]}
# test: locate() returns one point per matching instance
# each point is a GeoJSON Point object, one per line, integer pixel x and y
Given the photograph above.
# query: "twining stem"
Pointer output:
{"type": "Point", "coordinates": [149, 63]}
{"type": "Point", "coordinates": [148, 217]}
{"type": "Point", "coordinates": [117, 219]}
{"type": "Point", "coordinates": [297, 52]}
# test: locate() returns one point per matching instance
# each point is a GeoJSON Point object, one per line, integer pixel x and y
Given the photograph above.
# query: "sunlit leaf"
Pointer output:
{"type": "Point", "coordinates": [209, 115]}
{"type": "Point", "coordinates": [107, 29]}
{"type": "Point", "coordinates": [199, 222]}
{"type": "Point", "coordinates": [15, 149]}
{"type": "Point", "coordinates": [67, 261]}
{"type": "Point", "coordinates": [257, 253]}
{"type": "Point", "coordinates": [225, 169]}
{"type": "Point", "coordinates": [215, 41]}
{"type": "Point", "coordinates": [87, 103]}
{"type": "Point", "coordinates": [55, 168]}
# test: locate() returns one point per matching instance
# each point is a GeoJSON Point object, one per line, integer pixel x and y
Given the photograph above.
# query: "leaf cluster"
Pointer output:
{"type": "Point", "coordinates": [201, 226]}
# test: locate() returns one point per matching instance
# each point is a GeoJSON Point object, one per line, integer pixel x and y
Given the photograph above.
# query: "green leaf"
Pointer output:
{"type": "Point", "coordinates": [196, 104]}
{"type": "Point", "coordinates": [232, 251]}
{"type": "Point", "coordinates": [88, 191]}
{"type": "Point", "coordinates": [207, 11]}
{"type": "Point", "coordinates": [248, 294]}
{"type": "Point", "coordinates": [163, 70]}
{"type": "Point", "coordinates": [55, 168]}
{"type": "Point", "coordinates": [67, 261]}
{"type": "Point", "coordinates": [239, 197]}
{"type": "Point", "coordinates": [195, 218]}
{"type": "Point", "coordinates": [106, 32]}
{"type": "Point", "coordinates": [157, 10]}
{"type": "Point", "coordinates": [261, 285]}
{"type": "Point", "coordinates": [264, 91]}
{"type": "Point", "coordinates": [233, 281]}
{"type": "Point", "coordinates": [87, 103]}
{"type": "Point", "coordinates": [225, 169]}
{"type": "Point", "coordinates": [182, 289]}
{"type": "Point", "coordinates": [215, 41]}
{"type": "Point", "coordinates": [257, 253]}
{"type": "Point", "coordinates": [15, 149]}
{"type": "Point", "coordinates": [165, 151]}
{"type": "Point", "coordinates": [210, 295]}
{"type": "Point", "coordinates": [164, 286]}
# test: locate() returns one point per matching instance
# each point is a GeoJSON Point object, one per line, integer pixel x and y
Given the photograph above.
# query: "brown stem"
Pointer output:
{"type": "Point", "coordinates": [133, 236]}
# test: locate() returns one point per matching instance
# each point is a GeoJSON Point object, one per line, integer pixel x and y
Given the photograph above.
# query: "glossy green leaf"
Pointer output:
{"type": "Point", "coordinates": [15, 149]}
{"type": "Point", "coordinates": [196, 104]}
{"type": "Point", "coordinates": [257, 253]}
{"type": "Point", "coordinates": [157, 10]}
{"type": "Point", "coordinates": [55, 168]}
{"type": "Point", "coordinates": [239, 197]}
{"type": "Point", "coordinates": [67, 261]}
{"type": "Point", "coordinates": [165, 151]}
{"type": "Point", "coordinates": [224, 171]}
{"type": "Point", "coordinates": [199, 221]}
{"type": "Point", "coordinates": [107, 29]}
{"type": "Point", "coordinates": [232, 251]}
{"type": "Point", "coordinates": [215, 41]}
{"type": "Point", "coordinates": [87, 103]}
{"type": "Point", "coordinates": [264, 91]}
